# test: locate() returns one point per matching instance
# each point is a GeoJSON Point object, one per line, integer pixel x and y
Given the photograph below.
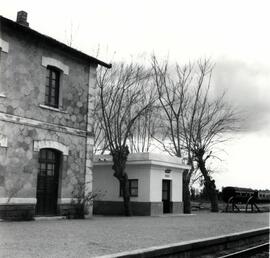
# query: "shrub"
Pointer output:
{"type": "Point", "coordinates": [81, 200]}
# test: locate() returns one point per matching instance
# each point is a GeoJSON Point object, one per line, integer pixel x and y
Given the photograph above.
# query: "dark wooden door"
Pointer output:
{"type": "Point", "coordinates": [47, 182]}
{"type": "Point", "coordinates": [166, 196]}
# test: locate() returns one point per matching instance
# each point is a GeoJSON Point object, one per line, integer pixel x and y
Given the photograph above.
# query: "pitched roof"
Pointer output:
{"type": "Point", "coordinates": [52, 41]}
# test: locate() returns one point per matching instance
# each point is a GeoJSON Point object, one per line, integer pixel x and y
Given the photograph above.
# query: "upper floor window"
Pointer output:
{"type": "Point", "coordinates": [52, 87]}
{"type": "Point", "coordinates": [4, 46]}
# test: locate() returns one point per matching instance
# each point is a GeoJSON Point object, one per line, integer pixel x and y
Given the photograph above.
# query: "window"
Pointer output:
{"type": "Point", "coordinates": [133, 188]}
{"type": "Point", "coordinates": [4, 46]}
{"type": "Point", "coordinates": [52, 87]}
{"type": "Point", "coordinates": [47, 162]}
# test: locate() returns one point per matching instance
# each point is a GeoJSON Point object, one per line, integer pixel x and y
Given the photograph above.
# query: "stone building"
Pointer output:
{"type": "Point", "coordinates": [46, 116]}
{"type": "Point", "coordinates": [155, 185]}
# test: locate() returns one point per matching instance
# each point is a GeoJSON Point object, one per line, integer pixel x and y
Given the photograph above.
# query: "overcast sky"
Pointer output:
{"type": "Point", "coordinates": [234, 34]}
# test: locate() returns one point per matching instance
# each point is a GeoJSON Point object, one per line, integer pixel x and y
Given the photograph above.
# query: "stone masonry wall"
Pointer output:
{"type": "Point", "coordinates": [25, 120]}
{"type": "Point", "coordinates": [19, 162]}
{"type": "Point", "coordinates": [23, 77]}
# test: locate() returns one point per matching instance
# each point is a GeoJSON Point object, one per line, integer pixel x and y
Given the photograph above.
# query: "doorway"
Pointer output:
{"type": "Point", "coordinates": [166, 196]}
{"type": "Point", "coordinates": [47, 182]}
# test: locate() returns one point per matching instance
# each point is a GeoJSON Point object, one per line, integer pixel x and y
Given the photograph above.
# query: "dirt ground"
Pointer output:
{"type": "Point", "coordinates": [107, 235]}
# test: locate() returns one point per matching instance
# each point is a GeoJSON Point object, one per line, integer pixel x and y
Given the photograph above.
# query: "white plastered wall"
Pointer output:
{"type": "Point", "coordinates": [157, 175]}
{"type": "Point", "coordinates": [148, 168]}
{"type": "Point", "coordinates": [107, 186]}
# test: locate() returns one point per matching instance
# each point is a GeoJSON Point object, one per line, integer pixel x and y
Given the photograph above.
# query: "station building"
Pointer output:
{"type": "Point", "coordinates": [46, 120]}
{"type": "Point", "coordinates": [155, 184]}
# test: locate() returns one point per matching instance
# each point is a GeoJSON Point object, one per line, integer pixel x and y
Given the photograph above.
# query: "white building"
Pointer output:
{"type": "Point", "coordinates": [155, 182]}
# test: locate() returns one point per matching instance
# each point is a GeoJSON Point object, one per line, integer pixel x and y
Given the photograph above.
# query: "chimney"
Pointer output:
{"type": "Point", "coordinates": [22, 18]}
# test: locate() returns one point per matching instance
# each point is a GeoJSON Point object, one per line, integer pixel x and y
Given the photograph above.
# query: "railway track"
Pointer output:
{"type": "Point", "coordinates": [261, 250]}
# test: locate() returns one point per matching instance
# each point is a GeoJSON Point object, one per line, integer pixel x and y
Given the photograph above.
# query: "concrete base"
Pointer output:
{"type": "Point", "coordinates": [177, 207]}
{"type": "Point", "coordinates": [156, 208]}
{"type": "Point", "coordinates": [65, 209]}
{"type": "Point", "coordinates": [68, 210]}
{"type": "Point", "coordinates": [27, 211]}
{"type": "Point", "coordinates": [41, 218]}
{"type": "Point", "coordinates": [72, 211]}
{"type": "Point", "coordinates": [138, 208]}
{"type": "Point", "coordinates": [17, 211]}
{"type": "Point", "coordinates": [117, 208]}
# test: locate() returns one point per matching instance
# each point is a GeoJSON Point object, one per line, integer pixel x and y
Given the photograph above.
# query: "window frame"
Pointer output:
{"type": "Point", "coordinates": [47, 157]}
{"type": "Point", "coordinates": [130, 187]}
{"type": "Point", "coordinates": [52, 84]}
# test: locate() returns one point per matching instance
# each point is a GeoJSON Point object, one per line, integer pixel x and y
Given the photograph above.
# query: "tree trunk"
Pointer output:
{"type": "Point", "coordinates": [126, 197]}
{"type": "Point", "coordinates": [119, 165]}
{"type": "Point", "coordinates": [209, 186]}
{"type": "Point", "coordinates": [186, 192]}
{"type": "Point", "coordinates": [212, 193]}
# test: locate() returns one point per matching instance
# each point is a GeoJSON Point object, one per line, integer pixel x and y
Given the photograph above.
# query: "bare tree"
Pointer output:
{"type": "Point", "coordinates": [172, 94]}
{"type": "Point", "coordinates": [141, 136]}
{"type": "Point", "coordinates": [70, 34]}
{"type": "Point", "coordinates": [13, 190]}
{"type": "Point", "coordinates": [121, 89]}
{"type": "Point", "coordinates": [195, 122]}
{"type": "Point", "coordinates": [100, 141]}
{"type": "Point", "coordinates": [207, 120]}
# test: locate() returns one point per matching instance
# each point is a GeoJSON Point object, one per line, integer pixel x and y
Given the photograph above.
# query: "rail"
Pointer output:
{"type": "Point", "coordinates": [248, 251]}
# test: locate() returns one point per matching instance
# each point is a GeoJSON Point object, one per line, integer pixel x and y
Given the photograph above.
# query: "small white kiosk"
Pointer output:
{"type": "Point", "coordinates": [155, 183]}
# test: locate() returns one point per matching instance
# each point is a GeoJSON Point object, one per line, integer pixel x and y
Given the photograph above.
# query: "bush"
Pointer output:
{"type": "Point", "coordinates": [81, 201]}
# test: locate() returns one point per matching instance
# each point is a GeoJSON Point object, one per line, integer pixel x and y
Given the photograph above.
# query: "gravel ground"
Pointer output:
{"type": "Point", "coordinates": [105, 235]}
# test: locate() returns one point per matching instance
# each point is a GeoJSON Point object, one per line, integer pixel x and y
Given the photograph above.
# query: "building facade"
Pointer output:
{"type": "Point", "coordinates": [46, 117]}
{"type": "Point", "coordinates": [155, 184]}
